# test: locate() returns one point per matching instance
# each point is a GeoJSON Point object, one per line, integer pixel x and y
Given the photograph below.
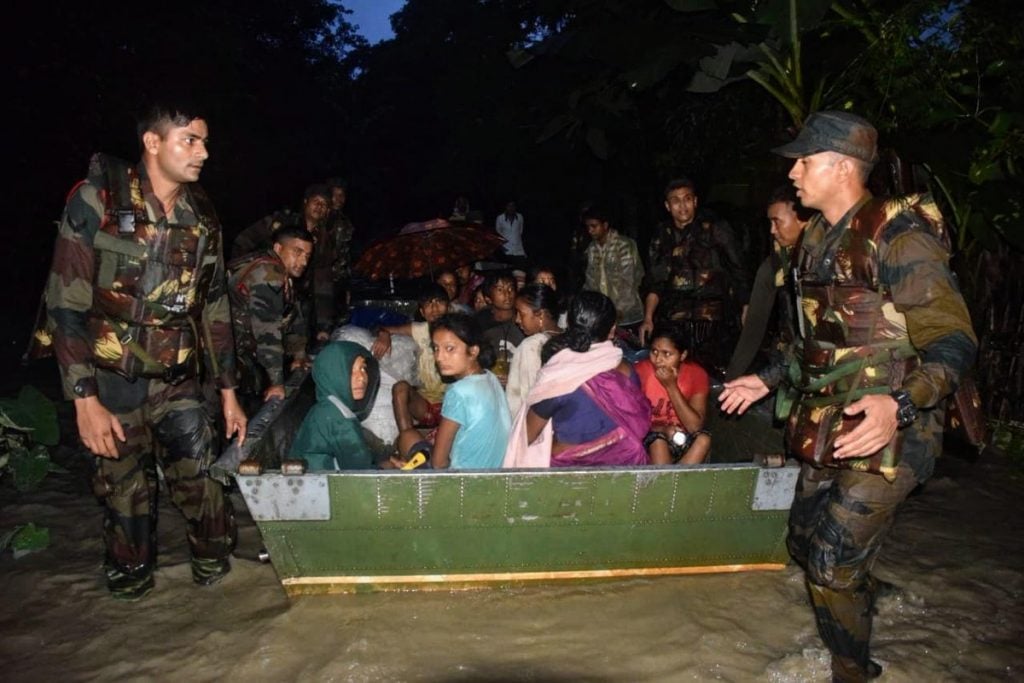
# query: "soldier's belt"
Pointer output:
{"type": "Point", "coordinates": [820, 364]}
{"type": "Point", "coordinates": [149, 367]}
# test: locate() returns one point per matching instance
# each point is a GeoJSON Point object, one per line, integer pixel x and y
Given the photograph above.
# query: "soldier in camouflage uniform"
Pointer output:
{"type": "Point", "coordinates": [137, 306]}
{"type": "Point", "coordinates": [768, 297]}
{"type": "Point", "coordinates": [885, 338]}
{"type": "Point", "coordinates": [316, 288]}
{"type": "Point", "coordinates": [267, 321]}
{"type": "Point", "coordinates": [342, 232]}
{"type": "Point", "coordinates": [697, 279]}
{"type": "Point", "coordinates": [614, 267]}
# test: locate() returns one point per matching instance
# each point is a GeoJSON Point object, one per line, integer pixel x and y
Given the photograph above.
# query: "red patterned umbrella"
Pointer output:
{"type": "Point", "coordinates": [425, 248]}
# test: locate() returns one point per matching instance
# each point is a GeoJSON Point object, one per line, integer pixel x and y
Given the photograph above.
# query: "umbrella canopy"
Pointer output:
{"type": "Point", "coordinates": [425, 248]}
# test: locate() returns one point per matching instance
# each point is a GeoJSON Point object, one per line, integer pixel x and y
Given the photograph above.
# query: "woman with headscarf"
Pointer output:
{"type": "Point", "coordinates": [331, 436]}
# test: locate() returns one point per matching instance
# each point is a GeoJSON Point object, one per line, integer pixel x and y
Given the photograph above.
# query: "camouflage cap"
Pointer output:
{"type": "Point", "coordinates": [834, 131]}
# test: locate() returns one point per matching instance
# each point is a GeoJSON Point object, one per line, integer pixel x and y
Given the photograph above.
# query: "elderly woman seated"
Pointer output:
{"type": "Point", "coordinates": [586, 407]}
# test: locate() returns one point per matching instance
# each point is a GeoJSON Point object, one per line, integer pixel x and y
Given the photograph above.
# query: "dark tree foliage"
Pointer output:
{"type": "Point", "coordinates": [274, 78]}
{"type": "Point", "coordinates": [552, 103]}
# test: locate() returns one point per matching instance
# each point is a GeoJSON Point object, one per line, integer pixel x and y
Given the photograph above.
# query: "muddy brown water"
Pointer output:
{"type": "Point", "coordinates": [955, 551]}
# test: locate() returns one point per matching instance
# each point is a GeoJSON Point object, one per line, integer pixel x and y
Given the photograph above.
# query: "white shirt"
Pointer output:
{"type": "Point", "coordinates": [512, 230]}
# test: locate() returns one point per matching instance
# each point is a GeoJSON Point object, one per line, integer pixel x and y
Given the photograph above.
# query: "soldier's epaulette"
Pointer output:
{"type": "Point", "coordinates": [901, 225]}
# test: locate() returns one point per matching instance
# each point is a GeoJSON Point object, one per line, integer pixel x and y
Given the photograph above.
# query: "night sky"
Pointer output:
{"type": "Point", "coordinates": [372, 17]}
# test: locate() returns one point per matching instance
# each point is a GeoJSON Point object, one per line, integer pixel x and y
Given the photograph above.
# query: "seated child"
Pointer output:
{"type": "Point", "coordinates": [420, 405]}
{"type": "Point", "coordinates": [449, 281]}
{"type": "Point", "coordinates": [498, 320]}
{"type": "Point", "coordinates": [475, 420]}
{"type": "Point", "coordinates": [331, 437]}
{"type": "Point", "coordinates": [479, 299]}
{"type": "Point", "coordinates": [678, 392]}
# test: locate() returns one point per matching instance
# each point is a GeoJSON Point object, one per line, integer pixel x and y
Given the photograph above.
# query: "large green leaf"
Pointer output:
{"type": "Point", "coordinates": [30, 467]}
{"type": "Point", "coordinates": [32, 410]}
{"type": "Point", "coordinates": [30, 538]}
{"type": "Point", "coordinates": [775, 13]}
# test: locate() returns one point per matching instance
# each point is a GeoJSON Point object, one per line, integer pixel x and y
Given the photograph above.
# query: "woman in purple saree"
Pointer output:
{"type": "Point", "coordinates": [586, 407]}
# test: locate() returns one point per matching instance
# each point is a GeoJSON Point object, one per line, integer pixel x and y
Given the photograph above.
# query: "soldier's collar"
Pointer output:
{"type": "Point", "coordinates": [844, 222]}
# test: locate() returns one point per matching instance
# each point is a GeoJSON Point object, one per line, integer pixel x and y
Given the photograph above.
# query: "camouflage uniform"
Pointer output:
{"type": "Point", "coordinates": [316, 287]}
{"type": "Point", "coordinates": [344, 232]}
{"type": "Point", "coordinates": [267, 322]}
{"type": "Point", "coordinates": [615, 270]}
{"type": "Point", "coordinates": [322, 273]}
{"type": "Point", "coordinates": [699, 278]}
{"type": "Point", "coordinates": [135, 298]}
{"type": "Point", "coordinates": [878, 310]}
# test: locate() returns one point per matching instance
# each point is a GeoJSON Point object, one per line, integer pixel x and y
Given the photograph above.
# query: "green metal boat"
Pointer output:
{"type": "Point", "coordinates": [394, 530]}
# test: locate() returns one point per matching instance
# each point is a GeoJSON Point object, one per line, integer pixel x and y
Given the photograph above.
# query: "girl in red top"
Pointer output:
{"type": "Point", "coordinates": [678, 392]}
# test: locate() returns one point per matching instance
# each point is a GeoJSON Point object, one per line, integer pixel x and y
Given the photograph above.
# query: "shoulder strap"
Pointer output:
{"type": "Point", "coordinates": [241, 267]}
{"type": "Point", "coordinates": [116, 176]}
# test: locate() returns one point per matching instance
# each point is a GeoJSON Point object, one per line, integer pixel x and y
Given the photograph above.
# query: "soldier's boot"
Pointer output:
{"type": "Point", "coordinates": [208, 571]}
{"type": "Point", "coordinates": [884, 591]}
{"type": "Point", "coordinates": [846, 670]}
{"type": "Point", "coordinates": [131, 554]}
{"type": "Point", "coordinates": [219, 534]}
{"type": "Point", "coordinates": [129, 586]}
{"type": "Point", "coordinates": [844, 619]}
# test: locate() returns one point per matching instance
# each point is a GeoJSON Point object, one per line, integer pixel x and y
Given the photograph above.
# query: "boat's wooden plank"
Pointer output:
{"type": "Point", "coordinates": [309, 585]}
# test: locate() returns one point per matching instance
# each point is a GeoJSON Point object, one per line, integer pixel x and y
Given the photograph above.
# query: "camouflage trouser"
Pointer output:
{"type": "Point", "coordinates": [164, 424]}
{"type": "Point", "coordinates": [837, 524]}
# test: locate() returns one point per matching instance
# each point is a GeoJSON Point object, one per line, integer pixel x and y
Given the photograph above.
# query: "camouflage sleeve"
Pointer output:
{"type": "Point", "coordinates": [266, 309]}
{"type": "Point", "coordinates": [915, 266]}
{"type": "Point", "coordinates": [216, 321]}
{"type": "Point", "coordinates": [69, 288]}
{"type": "Point", "coordinates": [739, 278]}
{"type": "Point", "coordinates": [295, 336]}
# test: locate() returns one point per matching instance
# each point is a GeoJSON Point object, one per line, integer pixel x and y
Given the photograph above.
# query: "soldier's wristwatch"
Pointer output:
{"type": "Point", "coordinates": [906, 411]}
{"type": "Point", "coordinates": [85, 387]}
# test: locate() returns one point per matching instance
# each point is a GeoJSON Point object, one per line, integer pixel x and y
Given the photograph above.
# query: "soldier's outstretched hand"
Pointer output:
{"type": "Point", "coordinates": [98, 427]}
{"type": "Point", "coordinates": [235, 420]}
{"type": "Point", "coordinates": [741, 393]}
{"type": "Point", "coordinates": [875, 430]}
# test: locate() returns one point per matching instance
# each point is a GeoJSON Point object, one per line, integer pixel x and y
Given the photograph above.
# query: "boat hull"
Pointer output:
{"type": "Point", "coordinates": [352, 532]}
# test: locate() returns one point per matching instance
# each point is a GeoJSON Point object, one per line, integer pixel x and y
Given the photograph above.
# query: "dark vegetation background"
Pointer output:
{"type": "Point", "coordinates": [549, 102]}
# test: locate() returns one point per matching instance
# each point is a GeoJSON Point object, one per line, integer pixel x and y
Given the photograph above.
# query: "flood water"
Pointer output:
{"type": "Point", "coordinates": [955, 551]}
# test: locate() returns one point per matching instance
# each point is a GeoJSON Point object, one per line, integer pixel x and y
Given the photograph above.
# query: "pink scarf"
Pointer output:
{"type": "Point", "coordinates": [564, 373]}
